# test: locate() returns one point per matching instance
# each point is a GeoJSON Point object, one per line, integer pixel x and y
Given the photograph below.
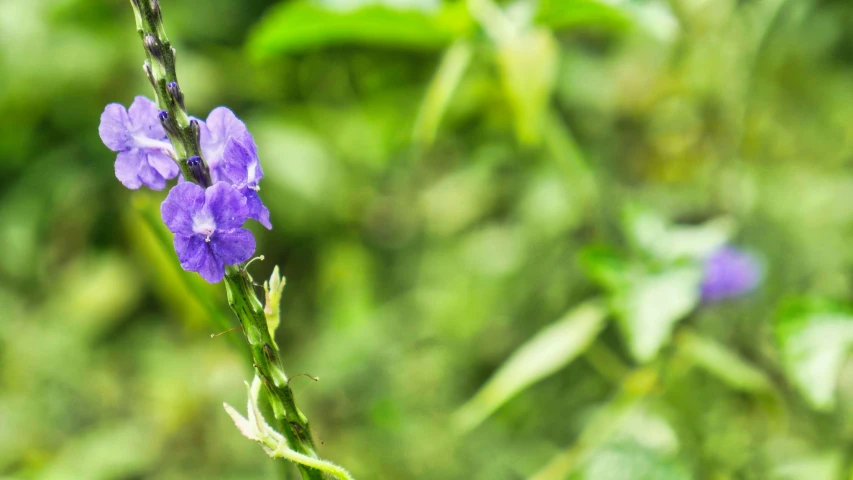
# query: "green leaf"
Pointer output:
{"type": "Point", "coordinates": [528, 64]}
{"type": "Point", "coordinates": [651, 306]}
{"type": "Point", "coordinates": [630, 461]}
{"type": "Point", "coordinates": [814, 337]}
{"type": "Point", "coordinates": [560, 14]}
{"type": "Point", "coordinates": [724, 364]}
{"type": "Point", "coordinates": [605, 265]}
{"type": "Point", "coordinates": [297, 26]}
{"type": "Point", "coordinates": [651, 233]}
{"type": "Point", "coordinates": [827, 465]}
{"type": "Point", "coordinates": [551, 349]}
{"type": "Point", "coordinates": [450, 71]}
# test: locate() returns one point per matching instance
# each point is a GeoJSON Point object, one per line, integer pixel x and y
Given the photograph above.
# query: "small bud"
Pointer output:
{"type": "Point", "coordinates": [167, 123]}
{"type": "Point", "coordinates": [195, 165]}
{"type": "Point", "coordinates": [176, 94]}
{"type": "Point", "coordinates": [272, 293]}
{"type": "Point", "coordinates": [150, 74]}
{"type": "Point", "coordinates": [155, 10]}
{"type": "Point", "coordinates": [152, 45]}
{"type": "Point", "coordinates": [199, 173]}
{"type": "Point", "coordinates": [196, 128]}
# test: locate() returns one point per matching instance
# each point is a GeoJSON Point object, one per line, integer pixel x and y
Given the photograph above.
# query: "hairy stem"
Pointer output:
{"type": "Point", "coordinates": [291, 422]}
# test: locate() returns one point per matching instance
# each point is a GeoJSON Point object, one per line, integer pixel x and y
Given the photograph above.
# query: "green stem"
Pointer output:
{"type": "Point", "coordinates": [160, 69]}
{"type": "Point", "coordinates": [291, 422]}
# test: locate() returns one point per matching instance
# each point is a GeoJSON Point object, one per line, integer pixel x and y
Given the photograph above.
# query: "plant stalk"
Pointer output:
{"type": "Point", "coordinates": [291, 422]}
{"type": "Point", "coordinates": [184, 135]}
{"type": "Point", "coordinates": [160, 70]}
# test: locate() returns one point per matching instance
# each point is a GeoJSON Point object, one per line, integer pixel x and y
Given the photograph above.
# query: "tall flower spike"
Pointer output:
{"type": "Point", "coordinates": [144, 153]}
{"type": "Point", "coordinates": [208, 228]}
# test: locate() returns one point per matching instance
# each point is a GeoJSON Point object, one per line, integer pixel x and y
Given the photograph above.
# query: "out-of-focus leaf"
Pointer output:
{"type": "Point", "coordinates": [560, 14]}
{"type": "Point", "coordinates": [296, 26]}
{"type": "Point", "coordinates": [654, 235]}
{"type": "Point", "coordinates": [110, 451]}
{"type": "Point", "coordinates": [605, 265]}
{"type": "Point", "coordinates": [458, 199]}
{"type": "Point", "coordinates": [817, 466]}
{"type": "Point", "coordinates": [724, 364]}
{"type": "Point", "coordinates": [651, 306]}
{"type": "Point", "coordinates": [110, 289]}
{"type": "Point", "coordinates": [815, 337]}
{"type": "Point", "coordinates": [186, 291]}
{"type": "Point", "coordinates": [550, 350]}
{"type": "Point", "coordinates": [528, 64]}
{"type": "Point", "coordinates": [616, 421]}
{"type": "Point", "coordinates": [630, 461]}
{"type": "Point", "coordinates": [440, 91]}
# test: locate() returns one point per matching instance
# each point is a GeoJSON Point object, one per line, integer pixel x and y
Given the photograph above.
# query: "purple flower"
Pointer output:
{"type": "Point", "coordinates": [729, 272]}
{"type": "Point", "coordinates": [208, 228]}
{"type": "Point", "coordinates": [220, 126]}
{"type": "Point", "coordinates": [232, 157]}
{"type": "Point", "coordinates": [143, 149]}
{"type": "Point", "coordinates": [240, 167]}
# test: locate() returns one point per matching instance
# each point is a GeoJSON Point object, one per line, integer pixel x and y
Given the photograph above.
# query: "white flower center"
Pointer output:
{"type": "Point", "coordinates": [141, 141]}
{"type": "Point", "coordinates": [203, 224]}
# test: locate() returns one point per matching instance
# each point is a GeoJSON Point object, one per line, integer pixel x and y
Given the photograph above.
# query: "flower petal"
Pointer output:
{"type": "Point", "coordinates": [233, 247]}
{"type": "Point", "coordinates": [150, 177]}
{"type": "Point", "coordinates": [191, 250]}
{"type": "Point", "coordinates": [114, 128]}
{"type": "Point", "coordinates": [143, 118]}
{"type": "Point", "coordinates": [212, 269]}
{"type": "Point", "coordinates": [234, 167]}
{"type": "Point", "coordinates": [227, 206]}
{"type": "Point", "coordinates": [257, 210]}
{"type": "Point", "coordinates": [220, 125]}
{"type": "Point", "coordinates": [127, 168]}
{"type": "Point", "coordinates": [179, 206]}
{"type": "Point", "coordinates": [196, 255]}
{"type": "Point", "coordinates": [165, 166]}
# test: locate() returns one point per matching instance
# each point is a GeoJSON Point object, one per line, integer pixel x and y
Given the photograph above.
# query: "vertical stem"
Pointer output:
{"type": "Point", "coordinates": [292, 423]}
{"type": "Point", "coordinates": [160, 69]}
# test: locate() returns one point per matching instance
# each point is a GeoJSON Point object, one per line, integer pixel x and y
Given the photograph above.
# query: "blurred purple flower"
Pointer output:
{"type": "Point", "coordinates": [729, 272]}
{"type": "Point", "coordinates": [144, 152]}
{"type": "Point", "coordinates": [208, 228]}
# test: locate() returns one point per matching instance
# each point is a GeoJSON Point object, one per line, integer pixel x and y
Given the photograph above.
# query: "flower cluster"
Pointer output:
{"type": "Point", "coordinates": [207, 222]}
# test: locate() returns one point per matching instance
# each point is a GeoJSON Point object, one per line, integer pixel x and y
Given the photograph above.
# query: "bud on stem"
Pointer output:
{"type": "Point", "coordinates": [160, 70]}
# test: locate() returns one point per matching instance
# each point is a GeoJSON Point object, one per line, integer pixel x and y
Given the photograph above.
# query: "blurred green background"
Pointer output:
{"type": "Point", "coordinates": [518, 195]}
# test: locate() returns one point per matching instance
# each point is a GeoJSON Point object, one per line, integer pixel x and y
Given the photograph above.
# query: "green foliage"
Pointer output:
{"type": "Point", "coordinates": [650, 307]}
{"type": "Point", "coordinates": [544, 354]}
{"type": "Point", "coordinates": [302, 25]}
{"type": "Point", "coordinates": [814, 338]}
{"type": "Point", "coordinates": [560, 14]}
{"type": "Point", "coordinates": [503, 251]}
